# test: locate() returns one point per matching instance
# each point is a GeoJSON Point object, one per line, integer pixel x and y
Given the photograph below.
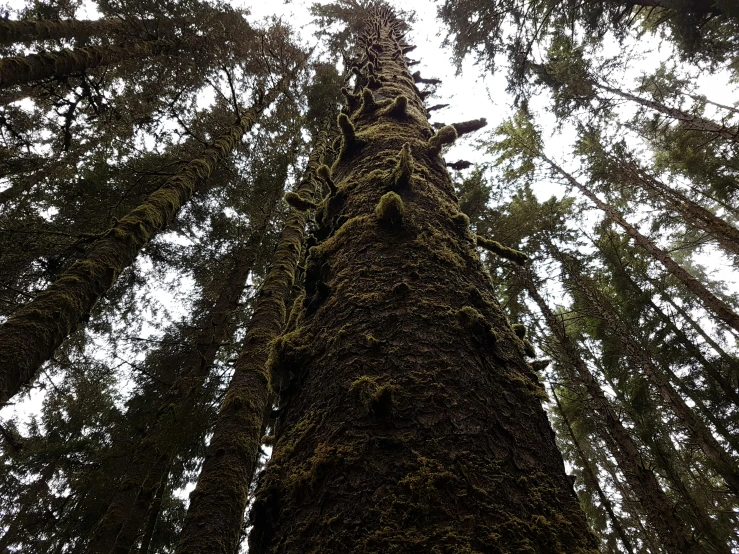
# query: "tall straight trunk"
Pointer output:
{"type": "Point", "coordinates": [119, 527]}
{"type": "Point", "coordinates": [687, 120]}
{"type": "Point", "coordinates": [673, 533]}
{"type": "Point", "coordinates": [30, 336]}
{"type": "Point", "coordinates": [694, 214]}
{"type": "Point", "coordinates": [710, 368]}
{"type": "Point", "coordinates": [592, 476]}
{"type": "Point", "coordinates": [731, 361]}
{"type": "Point", "coordinates": [215, 515]}
{"type": "Point", "coordinates": [29, 30]}
{"type": "Point", "coordinates": [710, 301]}
{"type": "Point", "coordinates": [153, 517]}
{"type": "Point", "coordinates": [34, 67]}
{"type": "Point", "coordinates": [408, 420]}
{"type": "Point", "coordinates": [716, 455]}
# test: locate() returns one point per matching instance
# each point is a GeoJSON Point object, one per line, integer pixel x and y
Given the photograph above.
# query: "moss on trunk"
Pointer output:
{"type": "Point", "coordinates": [409, 419]}
{"type": "Point", "coordinates": [214, 518]}
{"type": "Point", "coordinates": [34, 67]}
{"type": "Point", "coordinates": [30, 336]}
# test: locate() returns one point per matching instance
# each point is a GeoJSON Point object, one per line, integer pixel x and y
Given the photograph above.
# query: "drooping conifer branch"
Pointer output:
{"type": "Point", "coordinates": [35, 30]}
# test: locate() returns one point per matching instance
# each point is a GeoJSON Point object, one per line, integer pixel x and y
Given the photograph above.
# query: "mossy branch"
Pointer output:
{"type": "Point", "coordinates": [420, 80]}
{"type": "Point", "coordinates": [324, 173]}
{"type": "Point", "coordinates": [298, 202]}
{"type": "Point", "coordinates": [436, 107]}
{"type": "Point", "coordinates": [469, 126]}
{"type": "Point", "coordinates": [390, 209]}
{"type": "Point", "coordinates": [401, 174]}
{"type": "Point", "coordinates": [516, 256]}
{"type": "Point", "coordinates": [397, 108]}
{"type": "Point", "coordinates": [368, 102]}
{"type": "Point", "coordinates": [445, 135]}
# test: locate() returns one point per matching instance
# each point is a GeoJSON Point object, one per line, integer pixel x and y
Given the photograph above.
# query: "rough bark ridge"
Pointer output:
{"type": "Point", "coordinates": [409, 420]}
{"type": "Point", "coordinates": [673, 533]}
{"type": "Point", "coordinates": [217, 505]}
{"type": "Point", "coordinates": [120, 526]}
{"type": "Point", "coordinates": [34, 67]}
{"type": "Point", "coordinates": [31, 335]}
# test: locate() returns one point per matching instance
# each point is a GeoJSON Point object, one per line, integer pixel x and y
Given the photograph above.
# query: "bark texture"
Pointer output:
{"type": "Point", "coordinates": [120, 526]}
{"type": "Point", "coordinates": [673, 533]}
{"type": "Point", "coordinates": [214, 518]}
{"type": "Point", "coordinates": [409, 420]}
{"type": "Point", "coordinates": [34, 67]}
{"type": "Point", "coordinates": [32, 30]}
{"type": "Point", "coordinates": [31, 335]}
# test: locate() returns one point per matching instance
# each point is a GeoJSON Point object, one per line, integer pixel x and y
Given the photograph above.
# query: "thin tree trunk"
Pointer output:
{"type": "Point", "coordinates": [35, 67]}
{"type": "Point", "coordinates": [408, 420]}
{"type": "Point", "coordinates": [153, 518]}
{"type": "Point", "coordinates": [119, 527]}
{"type": "Point", "coordinates": [725, 234]}
{"type": "Point", "coordinates": [687, 120]}
{"type": "Point", "coordinates": [710, 301]}
{"type": "Point", "coordinates": [592, 476]}
{"type": "Point", "coordinates": [30, 336]}
{"type": "Point", "coordinates": [730, 360]}
{"type": "Point", "coordinates": [27, 30]}
{"type": "Point", "coordinates": [216, 511]}
{"type": "Point", "coordinates": [673, 533]}
{"type": "Point", "coordinates": [721, 462]}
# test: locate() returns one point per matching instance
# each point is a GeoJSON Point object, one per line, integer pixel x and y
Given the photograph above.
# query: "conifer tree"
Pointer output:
{"type": "Point", "coordinates": [378, 425]}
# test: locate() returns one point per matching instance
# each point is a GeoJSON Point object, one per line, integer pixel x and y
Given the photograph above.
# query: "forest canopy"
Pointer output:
{"type": "Point", "coordinates": [367, 276]}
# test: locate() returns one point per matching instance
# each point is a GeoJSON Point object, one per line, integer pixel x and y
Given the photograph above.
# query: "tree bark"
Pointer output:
{"type": "Point", "coordinates": [673, 533]}
{"type": "Point", "coordinates": [153, 517]}
{"type": "Point", "coordinates": [408, 418]}
{"type": "Point", "coordinates": [216, 511]}
{"type": "Point", "coordinates": [30, 336]}
{"type": "Point", "coordinates": [27, 30]}
{"type": "Point", "coordinates": [35, 67]}
{"type": "Point", "coordinates": [119, 528]}
{"type": "Point", "coordinates": [719, 459]}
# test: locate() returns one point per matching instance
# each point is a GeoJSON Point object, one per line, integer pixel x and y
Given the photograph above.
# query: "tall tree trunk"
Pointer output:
{"type": "Point", "coordinates": [119, 527]}
{"type": "Point", "coordinates": [719, 459]}
{"type": "Point", "coordinates": [30, 336]}
{"type": "Point", "coordinates": [28, 30]}
{"type": "Point", "coordinates": [694, 214]}
{"type": "Point", "coordinates": [687, 120]}
{"type": "Point", "coordinates": [408, 418]}
{"type": "Point", "coordinates": [216, 512]}
{"type": "Point", "coordinates": [34, 67]}
{"type": "Point", "coordinates": [592, 476]}
{"type": "Point", "coordinates": [731, 361]}
{"type": "Point", "coordinates": [153, 517]}
{"type": "Point", "coordinates": [673, 533]}
{"type": "Point", "coordinates": [710, 301]}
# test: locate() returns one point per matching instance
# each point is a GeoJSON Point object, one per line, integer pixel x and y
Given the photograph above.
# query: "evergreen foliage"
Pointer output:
{"type": "Point", "coordinates": [234, 266]}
